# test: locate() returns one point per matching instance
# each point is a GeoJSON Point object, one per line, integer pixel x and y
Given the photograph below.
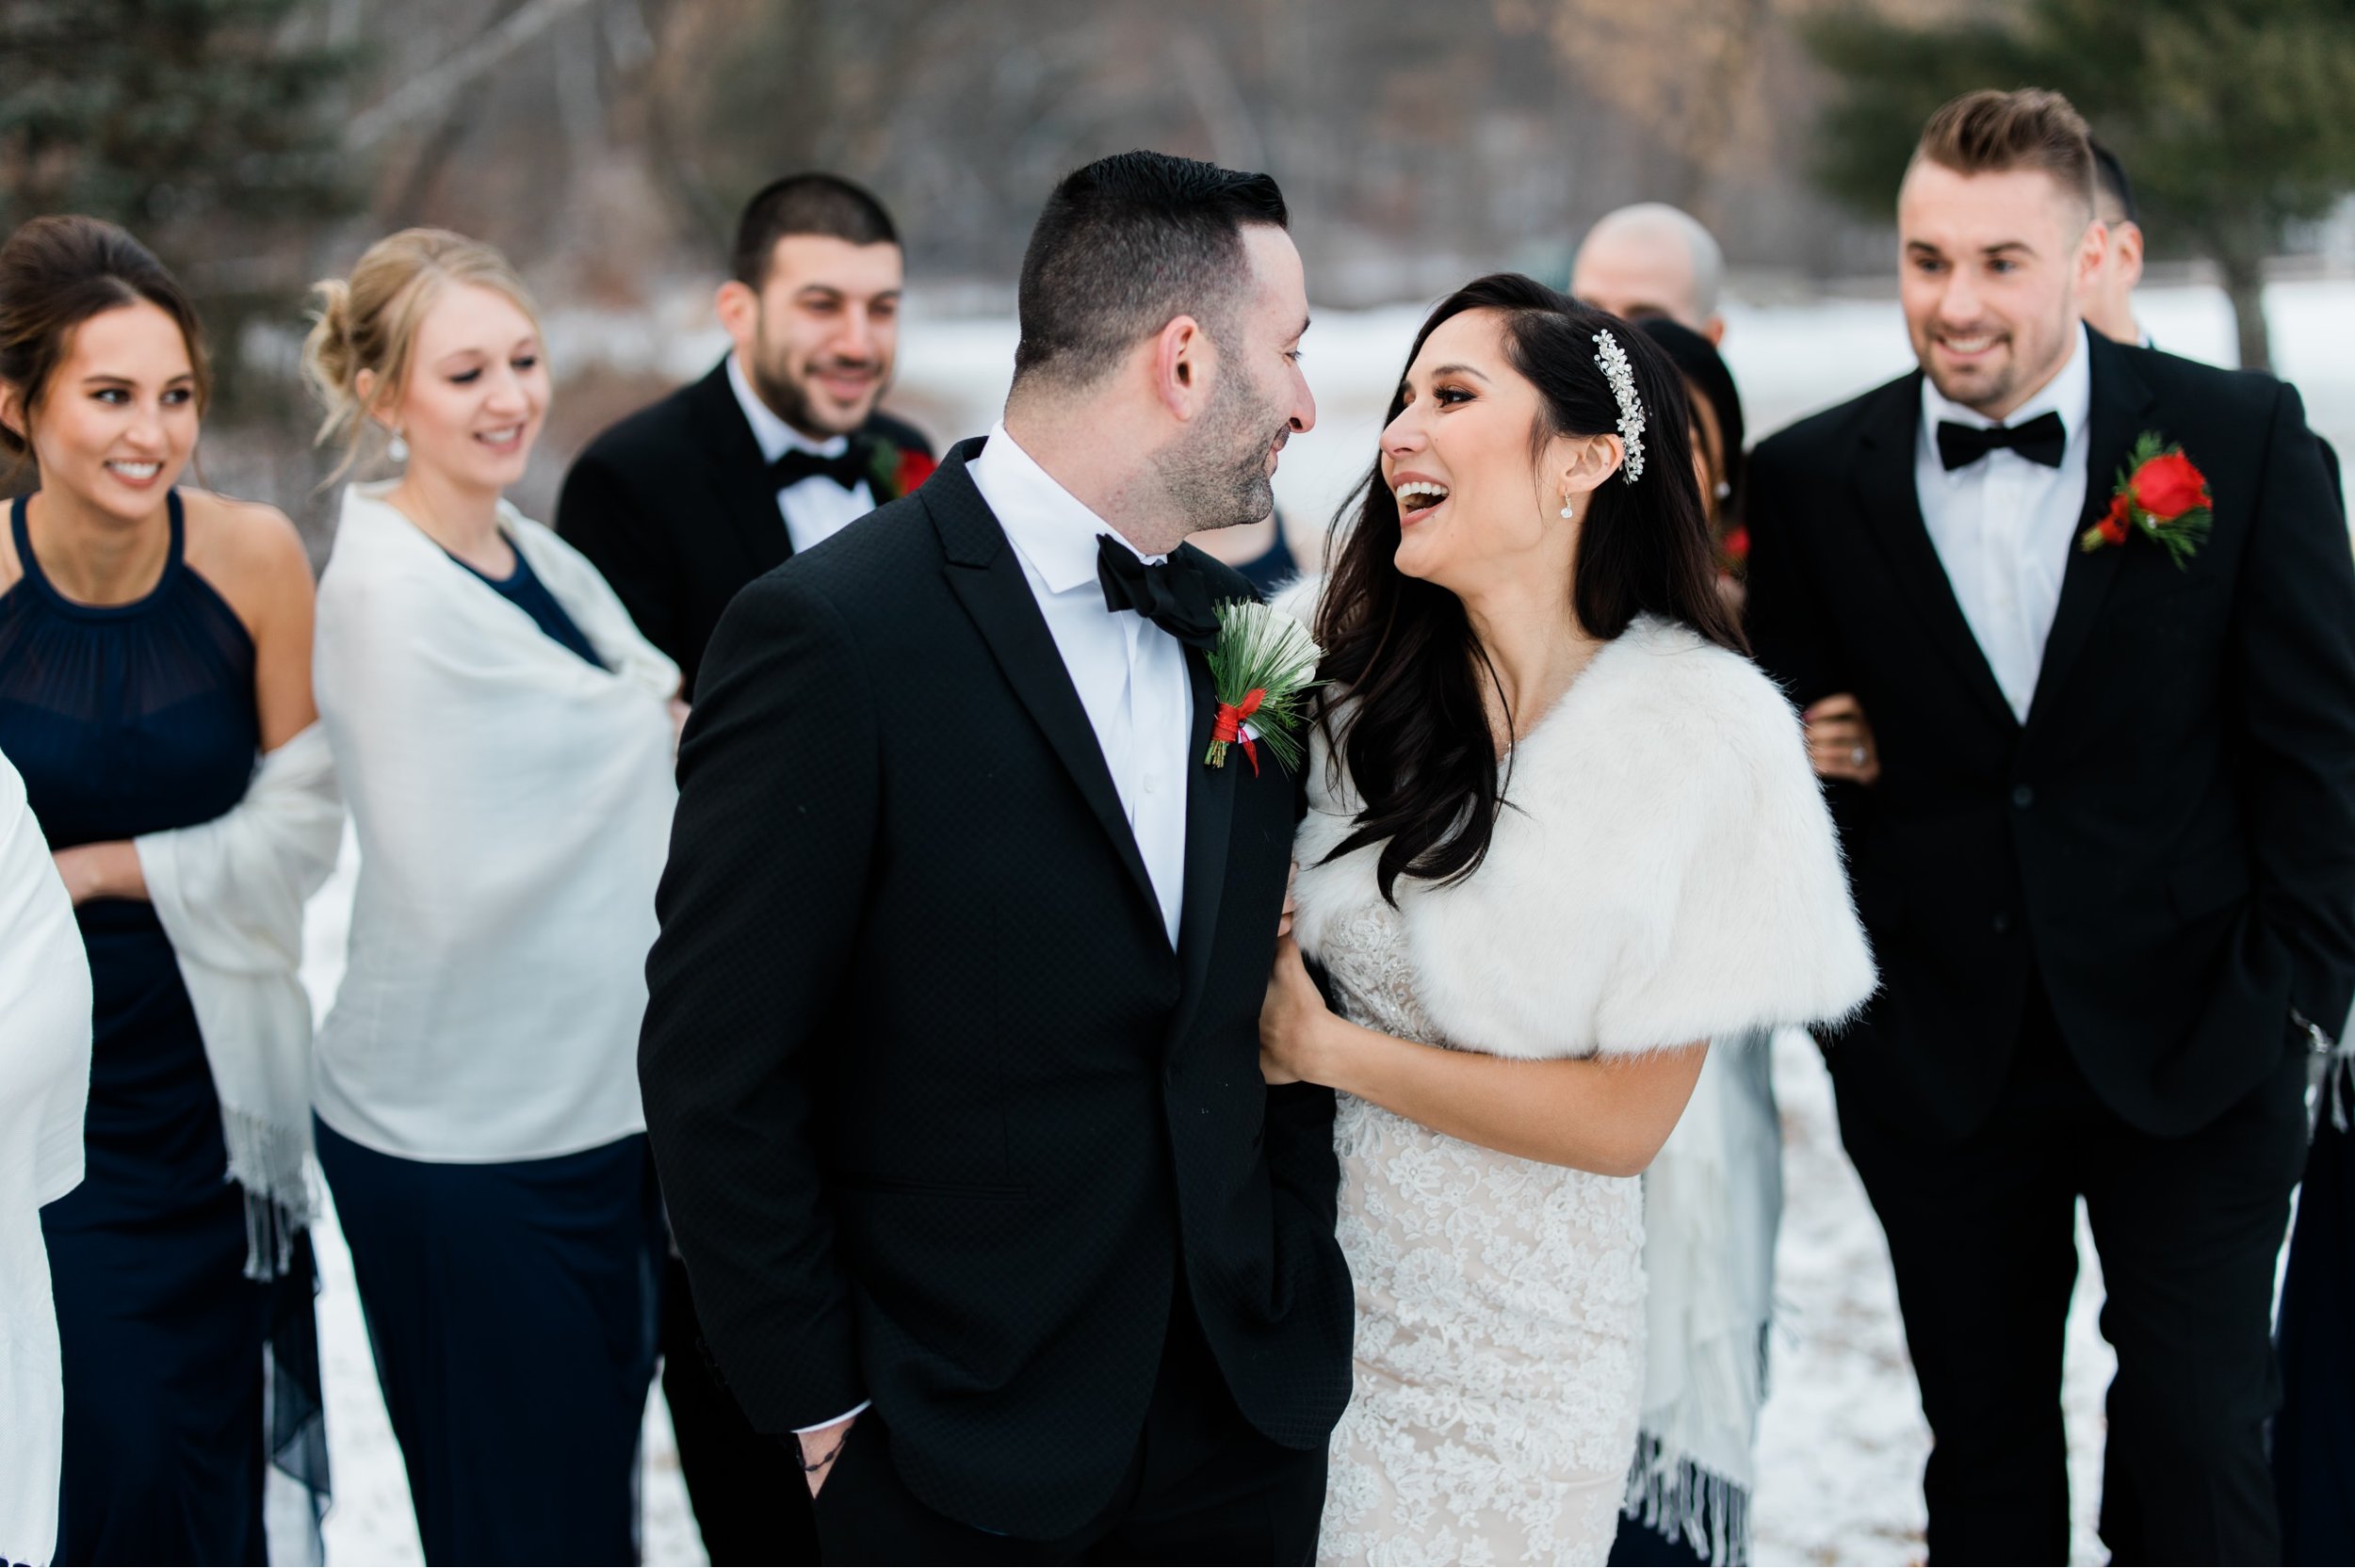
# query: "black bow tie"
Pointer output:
{"type": "Point", "coordinates": [1172, 596]}
{"type": "Point", "coordinates": [847, 468]}
{"type": "Point", "coordinates": [2040, 440]}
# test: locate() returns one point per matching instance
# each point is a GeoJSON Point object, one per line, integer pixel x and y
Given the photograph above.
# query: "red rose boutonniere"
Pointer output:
{"type": "Point", "coordinates": [2160, 493]}
{"type": "Point", "coordinates": [893, 472]}
{"type": "Point", "coordinates": [1733, 552]}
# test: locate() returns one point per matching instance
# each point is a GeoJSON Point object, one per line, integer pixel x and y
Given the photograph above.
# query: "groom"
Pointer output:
{"type": "Point", "coordinates": [951, 1059]}
{"type": "Point", "coordinates": [2100, 808]}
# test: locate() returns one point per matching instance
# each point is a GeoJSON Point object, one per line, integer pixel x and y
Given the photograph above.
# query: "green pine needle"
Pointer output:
{"type": "Point", "coordinates": [1261, 649]}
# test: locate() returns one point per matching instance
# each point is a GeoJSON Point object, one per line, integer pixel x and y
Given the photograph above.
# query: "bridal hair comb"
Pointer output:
{"type": "Point", "coordinates": [1612, 361]}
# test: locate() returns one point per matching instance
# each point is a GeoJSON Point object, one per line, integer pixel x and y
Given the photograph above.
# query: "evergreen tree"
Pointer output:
{"type": "Point", "coordinates": [2232, 116]}
{"type": "Point", "coordinates": [207, 127]}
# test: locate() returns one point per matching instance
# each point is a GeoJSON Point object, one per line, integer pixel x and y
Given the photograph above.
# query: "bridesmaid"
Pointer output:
{"type": "Point", "coordinates": [152, 643]}
{"type": "Point", "coordinates": [505, 738]}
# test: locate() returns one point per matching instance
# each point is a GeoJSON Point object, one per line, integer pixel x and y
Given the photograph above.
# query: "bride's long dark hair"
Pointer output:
{"type": "Point", "coordinates": [1413, 729]}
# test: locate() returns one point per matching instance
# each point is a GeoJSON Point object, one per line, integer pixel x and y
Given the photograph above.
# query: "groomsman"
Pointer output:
{"type": "Point", "coordinates": [1652, 259]}
{"type": "Point", "coordinates": [780, 447]}
{"type": "Point", "coordinates": [2099, 811]}
{"type": "Point", "coordinates": [682, 504]}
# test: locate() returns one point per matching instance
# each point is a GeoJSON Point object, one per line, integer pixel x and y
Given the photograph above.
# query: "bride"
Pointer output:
{"type": "Point", "coordinates": [1561, 833]}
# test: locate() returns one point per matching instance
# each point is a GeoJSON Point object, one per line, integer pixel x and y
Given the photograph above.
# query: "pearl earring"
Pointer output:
{"type": "Point", "coordinates": [397, 449]}
{"type": "Point", "coordinates": [1568, 512]}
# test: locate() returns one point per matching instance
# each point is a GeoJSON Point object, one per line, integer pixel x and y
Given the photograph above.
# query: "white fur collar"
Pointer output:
{"type": "Point", "coordinates": [1664, 870]}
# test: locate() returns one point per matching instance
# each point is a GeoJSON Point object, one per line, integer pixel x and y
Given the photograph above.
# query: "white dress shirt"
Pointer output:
{"type": "Point", "coordinates": [1131, 674]}
{"type": "Point", "coordinates": [2005, 526]}
{"type": "Point", "coordinates": [816, 509]}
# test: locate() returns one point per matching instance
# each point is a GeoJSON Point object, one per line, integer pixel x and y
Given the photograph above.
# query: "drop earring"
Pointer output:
{"type": "Point", "coordinates": [1568, 512]}
{"type": "Point", "coordinates": [397, 449]}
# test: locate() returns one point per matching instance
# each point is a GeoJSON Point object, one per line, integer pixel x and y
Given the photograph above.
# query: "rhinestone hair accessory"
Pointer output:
{"type": "Point", "coordinates": [1612, 361]}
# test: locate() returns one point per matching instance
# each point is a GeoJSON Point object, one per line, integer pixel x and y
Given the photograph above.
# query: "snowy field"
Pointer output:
{"type": "Point", "coordinates": [1842, 1440]}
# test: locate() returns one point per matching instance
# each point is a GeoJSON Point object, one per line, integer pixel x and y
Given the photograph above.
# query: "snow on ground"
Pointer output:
{"type": "Point", "coordinates": [1840, 1447]}
{"type": "Point", "coordinates": [1843, 1439]}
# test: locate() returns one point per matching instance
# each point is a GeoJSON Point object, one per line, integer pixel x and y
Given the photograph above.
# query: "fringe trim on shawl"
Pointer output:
{"type": "Point", "coordinates": [1676, 1496]}
{"type": "Point", "coordinates": [272, 1164]}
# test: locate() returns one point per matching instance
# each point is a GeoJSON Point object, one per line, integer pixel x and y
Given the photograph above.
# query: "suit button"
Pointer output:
{"type": "Point", "coordinates": [2002, 924]}
{"type": "Point", "coordinates": [2022, 796]}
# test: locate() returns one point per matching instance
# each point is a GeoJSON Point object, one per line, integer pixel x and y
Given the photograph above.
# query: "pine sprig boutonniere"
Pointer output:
{"type": "Point", "coordinates": [2160, 493]}
{"type": "Point", "coordinates": [1261, 670]}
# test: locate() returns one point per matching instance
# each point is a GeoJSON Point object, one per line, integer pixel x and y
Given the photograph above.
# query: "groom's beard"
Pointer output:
{"type": "Point", "coordinates": [1219, 476]}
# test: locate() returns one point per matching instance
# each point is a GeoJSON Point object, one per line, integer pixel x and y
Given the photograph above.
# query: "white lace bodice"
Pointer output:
{"type": "Point", "coordinates": [1499, 1321]}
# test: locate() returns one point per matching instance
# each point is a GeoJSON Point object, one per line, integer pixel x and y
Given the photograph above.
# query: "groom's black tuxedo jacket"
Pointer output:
{"type": "Point", "coordinates": [941, 1119]}
{"type": "Point", "coordinates": [2168, 842]}
{"type": "Point", "coordinates": [675, 508]}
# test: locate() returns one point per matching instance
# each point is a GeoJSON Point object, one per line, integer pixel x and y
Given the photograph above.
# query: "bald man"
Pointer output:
{"type": "Point", "coordinates": [2109, 296]}
{"type": "Point", "coordinates": [1652, 259]}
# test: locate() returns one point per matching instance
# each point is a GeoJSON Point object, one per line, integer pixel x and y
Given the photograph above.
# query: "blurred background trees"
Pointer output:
{"type": "Point", "coordinates": [2232, 116]}
{"type": "Point", "coordinates": [606, 144]}
{"type": "Point", "coordinates": [208, 127]}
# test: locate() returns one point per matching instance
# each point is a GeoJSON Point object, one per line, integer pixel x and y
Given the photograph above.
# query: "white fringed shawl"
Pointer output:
{"type": "Point", "coordinates": [1664, 871]}
{"type": "Point", "coordinates": [229, 893]}
{"type": "Point", "coordinates": [44, 1085]}
{"type": "Point", "coordinates": [512, 804]}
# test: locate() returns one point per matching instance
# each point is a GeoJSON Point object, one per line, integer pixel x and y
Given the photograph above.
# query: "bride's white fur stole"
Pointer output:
{"type": "Point", "coordinates": [1664, 869]}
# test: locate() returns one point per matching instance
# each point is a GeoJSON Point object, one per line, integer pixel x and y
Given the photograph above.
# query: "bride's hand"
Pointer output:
{"type": "Point", "coordinates": [1293, 1019]}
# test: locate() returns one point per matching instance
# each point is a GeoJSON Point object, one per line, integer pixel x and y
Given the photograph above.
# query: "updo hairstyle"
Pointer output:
{"type": "Point", "coordinates": [369, 320]}
{"type": "Point", "coordinates": [56, 273]}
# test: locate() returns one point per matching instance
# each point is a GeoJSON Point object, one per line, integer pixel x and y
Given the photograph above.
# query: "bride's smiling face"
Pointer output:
{"type": "Point", "coordinates": [1478, 501]}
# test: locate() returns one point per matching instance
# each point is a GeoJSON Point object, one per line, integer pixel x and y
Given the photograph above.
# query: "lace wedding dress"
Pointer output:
{"type": "Point", "coordinates": [1500, 1348]}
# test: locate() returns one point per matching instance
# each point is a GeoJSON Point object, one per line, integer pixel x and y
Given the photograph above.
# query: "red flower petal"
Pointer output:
{"type": "Point", "coordinates": [2169, 486]}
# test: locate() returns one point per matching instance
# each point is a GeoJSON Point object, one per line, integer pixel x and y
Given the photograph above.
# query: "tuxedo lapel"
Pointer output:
{"type": "Point", "coordinates": [2121, 400]}
{"type": "Point", "coordinates": [988, 581]}
{"type": "Point", "coordinates": [1209, 814]}
{"type": "Point", "coordinates": [739, 474]}
{"type": "Point", "coordinates": [1884, 482]}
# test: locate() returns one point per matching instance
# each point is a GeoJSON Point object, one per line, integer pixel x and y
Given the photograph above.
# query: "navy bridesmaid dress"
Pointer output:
{"type": "Point", "coordinates": [127, 719]}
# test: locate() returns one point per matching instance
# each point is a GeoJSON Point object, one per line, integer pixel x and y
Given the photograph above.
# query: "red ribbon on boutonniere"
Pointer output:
{"type": "Point", "coordinates": [1227, 727]}
{"type": "Point", "coordinates": [2160, 493]}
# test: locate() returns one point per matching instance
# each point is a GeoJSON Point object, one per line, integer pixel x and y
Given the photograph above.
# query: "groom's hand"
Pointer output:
{"type": "Point", "coordinates": [1840, 740]}
{"type": "Point", "coordinates": [820, 1447]}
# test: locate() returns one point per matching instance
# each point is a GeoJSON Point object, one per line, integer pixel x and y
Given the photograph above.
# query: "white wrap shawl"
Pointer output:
{"type": "Point", "coordinates": [1664, 871]}
{"type": "Point", "coordinates": [44, 1087]}
{"type": "Point", "coordinates": [512, 804]}
{"type": "Point", "coordinates": [229, 893]}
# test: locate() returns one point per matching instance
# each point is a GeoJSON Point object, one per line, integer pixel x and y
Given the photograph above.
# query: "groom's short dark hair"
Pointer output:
{"type": "Point", "coordinates": [1125, 244]}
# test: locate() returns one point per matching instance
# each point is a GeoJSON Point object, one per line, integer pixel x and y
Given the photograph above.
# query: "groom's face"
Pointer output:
{"type": "Point", "coordinates": [1992, 269]}
{"type": "Point", "coordinates": [1221, 470]}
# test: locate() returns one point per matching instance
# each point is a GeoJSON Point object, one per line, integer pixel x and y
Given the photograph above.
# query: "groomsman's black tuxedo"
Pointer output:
{"type": "Point", "coordinates": [675, 508]}
{"type": "Point", "coordinates": [2092, 931]}
{"type": "Point", "coordinates": [942, 1119]}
